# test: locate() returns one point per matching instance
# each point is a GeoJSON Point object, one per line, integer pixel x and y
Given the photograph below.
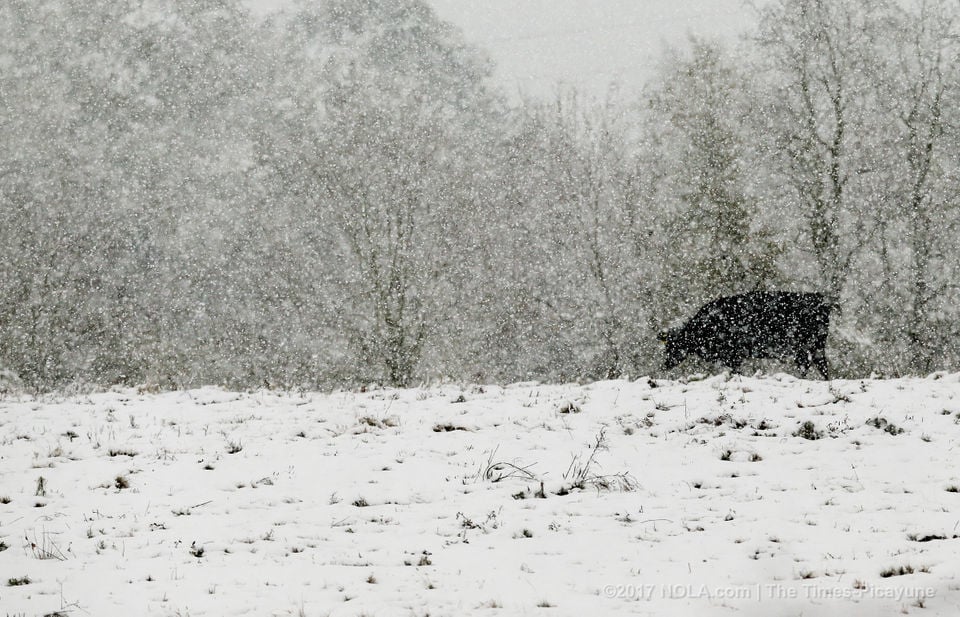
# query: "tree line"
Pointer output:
{"type": "Point", "coordinates": [338, 194]}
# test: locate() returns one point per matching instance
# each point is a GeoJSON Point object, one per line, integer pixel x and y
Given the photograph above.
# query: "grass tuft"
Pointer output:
{"type": "Point", "coordinates": [897, 571]}
{"type": "Point", "coordinates": [884, 425]}
{"type": "Point", "coordinates": [808, 430]}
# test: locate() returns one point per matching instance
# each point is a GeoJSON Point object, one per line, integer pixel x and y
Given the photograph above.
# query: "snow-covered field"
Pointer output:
{"type": "Point", "coordinates": [700, 500]}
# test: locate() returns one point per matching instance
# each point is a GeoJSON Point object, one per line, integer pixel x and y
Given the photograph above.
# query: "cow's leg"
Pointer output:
{"type": "Point", "coordinates": [801, 358]}
{"type": "Point", "coordinates": [734, 364]}
{"type": "Point", "coordinates": [820, 360]}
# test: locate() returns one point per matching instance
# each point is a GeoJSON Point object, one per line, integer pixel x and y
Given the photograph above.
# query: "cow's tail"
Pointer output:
{"type": "Point", "coordinates": [832, 303]}
{"type": "Point", "coordinates": [823, 316]}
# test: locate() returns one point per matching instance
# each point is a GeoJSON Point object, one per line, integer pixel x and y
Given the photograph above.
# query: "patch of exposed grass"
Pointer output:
{"type": "Point", "coordinates": [884, 425]}
{"type": "Point", "coordinates": [448, 427]}
{"type": "Point", "coordinates": [723, 419]}
{"type": "Point", "coordinates": [930, 537]}
{"type": "Point", "coordinates": [808, 430]}
{"type": "Point", "coordinates": [897, 571]}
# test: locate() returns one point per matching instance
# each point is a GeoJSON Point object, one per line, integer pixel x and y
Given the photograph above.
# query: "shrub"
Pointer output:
{"type": "Point", "coordinates": [808, 430]}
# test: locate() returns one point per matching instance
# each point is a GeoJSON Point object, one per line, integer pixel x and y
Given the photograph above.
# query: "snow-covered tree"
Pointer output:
{"type": "Point", "coordinates": [821, 62]}
{"type": "Point", "coordinates": [578, 217]}
{"type": "Point", "coordinates": [386, 138]}
{"type": "Point", "coordinates": [715, 242]}
{"type": "Point", "coordinates": [918, 92]}
{"type": "Point", "coordinates": [118, 149]}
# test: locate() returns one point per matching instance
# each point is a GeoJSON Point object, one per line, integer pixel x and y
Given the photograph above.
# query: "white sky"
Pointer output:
{"type": "Point", "coordinates": [587, 43]}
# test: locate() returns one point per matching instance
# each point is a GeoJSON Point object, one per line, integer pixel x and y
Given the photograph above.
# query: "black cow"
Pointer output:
{"type": "Point", "coordinates": [759, 324]}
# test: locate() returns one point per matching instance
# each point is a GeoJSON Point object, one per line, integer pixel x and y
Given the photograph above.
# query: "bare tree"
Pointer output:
{"type": "Point", "coordinates": [578, 203]}
{"type": "Point", "coordinates": [920, 92]}
{"type": "Point", "coordinates": [822, 58]}
{"type": "Point", "coordinates": [715, 242]}
{"type": "Point", "coordinates": [404, 106]}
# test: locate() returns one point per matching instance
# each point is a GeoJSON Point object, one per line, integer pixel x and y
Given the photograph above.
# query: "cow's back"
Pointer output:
{"type": "Point", "coordinates": [787, 320]}
{"type": "Point", "coordinates": [759, 324]}
{"type": "Point", "coordinates": [763, 319]}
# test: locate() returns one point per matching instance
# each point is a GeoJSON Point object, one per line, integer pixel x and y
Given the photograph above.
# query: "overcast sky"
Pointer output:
{"type": "Point", "coordinates": [589, 43]}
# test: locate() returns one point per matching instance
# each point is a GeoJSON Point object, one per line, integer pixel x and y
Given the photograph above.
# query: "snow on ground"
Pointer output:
{"type": "Point", "coordinates": [700, 500]}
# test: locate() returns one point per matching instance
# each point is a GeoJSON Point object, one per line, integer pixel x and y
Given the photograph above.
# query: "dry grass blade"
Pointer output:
{"type": "Point", "coordinates": [44, 547]}
{"type": "Point", "coordinates": [503, 470]}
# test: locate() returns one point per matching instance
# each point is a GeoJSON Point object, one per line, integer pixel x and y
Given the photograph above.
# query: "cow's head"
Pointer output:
{"type": "Point", "coordinates": [674, 346]}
